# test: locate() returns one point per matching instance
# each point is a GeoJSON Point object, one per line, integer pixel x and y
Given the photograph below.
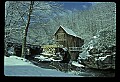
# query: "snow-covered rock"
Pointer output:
{"type": "Point", "coordinates": [98, 60]}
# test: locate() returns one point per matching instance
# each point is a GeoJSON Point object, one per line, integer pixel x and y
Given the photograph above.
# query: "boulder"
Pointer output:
{"type": "Point", "coordinates": [93, 58]}
{"type": "Point", "coordinates": [100, 51]}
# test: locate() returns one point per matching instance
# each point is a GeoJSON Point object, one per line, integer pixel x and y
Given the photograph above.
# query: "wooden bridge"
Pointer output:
{"type": "Point", "coordinates": [52, 49]}
{"type": "Point", "coordinates": [49, 48]}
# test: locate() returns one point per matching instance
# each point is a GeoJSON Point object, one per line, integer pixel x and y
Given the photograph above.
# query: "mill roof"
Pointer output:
{"type": "Point", "coordinates": [68, 31]}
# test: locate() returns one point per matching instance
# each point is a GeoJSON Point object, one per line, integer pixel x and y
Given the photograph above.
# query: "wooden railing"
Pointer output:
{"type": "Point", "coordinates": [75, 49]}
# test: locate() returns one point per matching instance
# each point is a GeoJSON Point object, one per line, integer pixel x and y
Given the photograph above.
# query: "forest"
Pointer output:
{"type": "Point", "coordinates": [85, 23]}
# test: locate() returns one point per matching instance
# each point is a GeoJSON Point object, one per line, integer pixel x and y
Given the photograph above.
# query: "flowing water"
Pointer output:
{"type": "Point", "coordinates": [68, 68]}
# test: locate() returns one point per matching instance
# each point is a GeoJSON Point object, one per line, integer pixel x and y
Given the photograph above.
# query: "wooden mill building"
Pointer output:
{"type": "Point", "coordinates": [67, 38]}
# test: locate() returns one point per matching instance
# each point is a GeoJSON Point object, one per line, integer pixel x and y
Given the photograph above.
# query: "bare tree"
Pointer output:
{"type": "Point", "coordinates": [26, 30]}
{"type": "Point", "coordinates": [24, 14]}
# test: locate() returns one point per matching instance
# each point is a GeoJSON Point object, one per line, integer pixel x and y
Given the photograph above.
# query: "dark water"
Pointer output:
{"type": "Point", "coordinates": [68, 68]}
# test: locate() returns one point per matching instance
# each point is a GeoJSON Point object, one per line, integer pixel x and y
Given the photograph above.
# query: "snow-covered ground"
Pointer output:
{"type": "Point", "coordinates": [17, 66]}
{"type": "Point", "coordinates": [77, 64]}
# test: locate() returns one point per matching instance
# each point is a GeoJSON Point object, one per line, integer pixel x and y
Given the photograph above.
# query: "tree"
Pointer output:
{"type": "Point", "coordinates": [26, 30]}
{"type": "Point", "coordinates": [12, 18]}
{"type": "Point", "coordinates": [87, 23]}
{"type": "Point", "coordinates": [29, 16]}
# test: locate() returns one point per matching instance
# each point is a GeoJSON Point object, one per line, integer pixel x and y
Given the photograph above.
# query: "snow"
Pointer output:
{"type": "Point", "coordinates": [47, 54]}
{"type": "Point", "coordinates": [68, 31]}
{"type": "Point", "coordinates": [14, 60]}
{"type": "Point", "coordinates": [65, 49]}
{"type": "Point", "coordinates": [16, 66]}
{"type": "Point", "coordinates": [91, 47]}
{"type": "Point", "coordinates": [84, 54]}
{"type": "Point", "coordinates": [41, 57]}
{"type": "Point", "coordinates": [52, 59]}
{"type": "Point", "coordinates": [94, 36]}
{"type": "Point", "coordinates": [103, 58]}
{"type": "Point", "coordinates": [11, 50]}
{"type": "Point", "coordinates": [77, 64]}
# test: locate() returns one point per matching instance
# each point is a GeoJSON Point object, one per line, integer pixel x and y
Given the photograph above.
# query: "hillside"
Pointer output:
{"type": "Point", "coordinates": [99, 19]}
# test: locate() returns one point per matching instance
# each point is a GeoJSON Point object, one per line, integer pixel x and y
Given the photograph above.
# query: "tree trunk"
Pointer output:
{"type": "Point", "coordinates": [25, 32]}
{"type": "Point", "coordinates": [5, 48]}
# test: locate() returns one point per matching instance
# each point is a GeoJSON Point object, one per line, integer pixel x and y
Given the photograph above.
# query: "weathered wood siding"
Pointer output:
{"type": "Point", "coordinates": [61, 37]}
{"type": "Point", "coordinates": [67, 40]}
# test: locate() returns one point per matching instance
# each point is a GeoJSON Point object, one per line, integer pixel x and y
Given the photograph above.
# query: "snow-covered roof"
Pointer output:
{"type": "Point", "coordinates": [68, 31]}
